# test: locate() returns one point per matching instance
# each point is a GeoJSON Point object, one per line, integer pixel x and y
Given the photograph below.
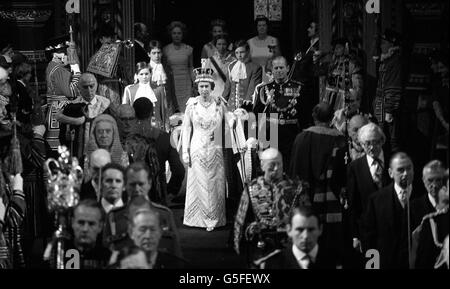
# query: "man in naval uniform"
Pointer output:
{"type": "Point", "coordinates": [281, 97]}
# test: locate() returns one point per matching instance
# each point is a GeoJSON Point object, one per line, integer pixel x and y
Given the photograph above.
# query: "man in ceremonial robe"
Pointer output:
{"type": "Point", "coordinates": [264, 207]}
{"type": "Point", "coordinates": [318, 158]}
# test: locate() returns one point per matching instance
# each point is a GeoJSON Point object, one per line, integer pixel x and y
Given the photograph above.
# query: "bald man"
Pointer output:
{"type": "Point", "coordinates": [90, 188]}
{"type": "Point", "coordinates": [77, 116]}
{"type": "Point", "coordinates": [265, 205]}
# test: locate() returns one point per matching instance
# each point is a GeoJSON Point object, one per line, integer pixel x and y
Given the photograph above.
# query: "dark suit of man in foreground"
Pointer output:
{"type": "Point", "coordinates": [386, 221]}
{"type": "Point", "coordinates": [304, 229]}
{"type": "Point", "coordinates": [365, 176]}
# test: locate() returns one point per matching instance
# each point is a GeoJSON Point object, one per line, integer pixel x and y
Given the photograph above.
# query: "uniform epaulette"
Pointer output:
{"type": "Point", "coordinates": [265, 258]}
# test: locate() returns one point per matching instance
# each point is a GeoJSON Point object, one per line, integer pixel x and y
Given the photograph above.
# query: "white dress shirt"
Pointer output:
{"type": "Point", "coordinates": [107, 206]}
{"type": "Point", "coordinates": [145, 90]}
{"type": "Point", "coordinates": [432, 200]}
{"type": "Point", "coordinates": [399, 190]}
{"type": "Point", "coordinates": [300, 256]}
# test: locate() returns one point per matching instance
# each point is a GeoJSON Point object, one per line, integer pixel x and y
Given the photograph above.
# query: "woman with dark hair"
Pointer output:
{"type": "Point", "coordinates": [179, 56]}
{"type": "Point", "coordinates": [243, 76]}
{"type": "Point", "coordinates": [217, 28]}
{"type": "Point", "coordinates": [162, 84]}
{"type": "Point", "coordinates": [141, 87]}
{"type": "Point", "coordinates": [219, 62]}
{"type": "Point", "coordinates": [263, 46]}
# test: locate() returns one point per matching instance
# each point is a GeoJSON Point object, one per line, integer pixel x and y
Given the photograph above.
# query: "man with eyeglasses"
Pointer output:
{"type": "Point", "coordinates": [433, 177]}
{"type": "Point", "coordinates": [365, 176]}
{"type": "Point", "coordinates": [76, 117]}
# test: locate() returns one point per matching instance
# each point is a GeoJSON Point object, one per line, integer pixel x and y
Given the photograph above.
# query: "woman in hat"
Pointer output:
{"type": "Point", "coordinates": [202, 152]}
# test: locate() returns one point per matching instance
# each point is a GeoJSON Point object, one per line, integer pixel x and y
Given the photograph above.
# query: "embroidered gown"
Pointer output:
{"type": "Point", "coordinates": [205, 189]}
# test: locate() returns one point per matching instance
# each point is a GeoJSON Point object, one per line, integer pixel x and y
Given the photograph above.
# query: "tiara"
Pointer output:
{"type": "Point", "coordinates": [204, 74]}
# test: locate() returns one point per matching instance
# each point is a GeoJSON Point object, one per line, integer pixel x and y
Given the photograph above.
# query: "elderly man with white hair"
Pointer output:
{"type": "Point", "coordinates": [432, 248]}
{"type": "Point", "coordinates": [365, 176]}
{"type": "Point", "coordinates": [433, 177]}
{"type": "Point", "coordinates": [265, 205]}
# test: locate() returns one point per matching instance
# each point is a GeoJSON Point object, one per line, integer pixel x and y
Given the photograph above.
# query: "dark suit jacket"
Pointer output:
{"type": "Point", "coordinates": [24, 102]}
{"type": "Point", "coordinates": [360, 186]}
{"type": "Point", "coordinates": [382, 231]}
{"type": "Point", "coordinates": [419, 208]}
{"type": "Point", "coordinates": [166, 152]}
{"type": "Point", "coordinates": [286, 260]}
{"type": "Point", "coordinates": [169, 261]}
{"type": "Point", "coordinates": [87, 191]}
{"type": "Point", "coordinates": [118, 218]}
{"type": "Point", "coordinates": [140, 55]}
{"type": "Point", "coordinates": [248, 85]}
{"type": "Point", "coordinates": [427, 251]}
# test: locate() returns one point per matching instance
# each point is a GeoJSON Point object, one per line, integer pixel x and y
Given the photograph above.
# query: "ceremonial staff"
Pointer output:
{"type": "Point", "coordinates": [346, 82]}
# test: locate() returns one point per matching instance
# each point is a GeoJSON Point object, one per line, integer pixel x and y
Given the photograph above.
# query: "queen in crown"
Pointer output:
{"type": "Point", "coordinates": [203, 153]}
